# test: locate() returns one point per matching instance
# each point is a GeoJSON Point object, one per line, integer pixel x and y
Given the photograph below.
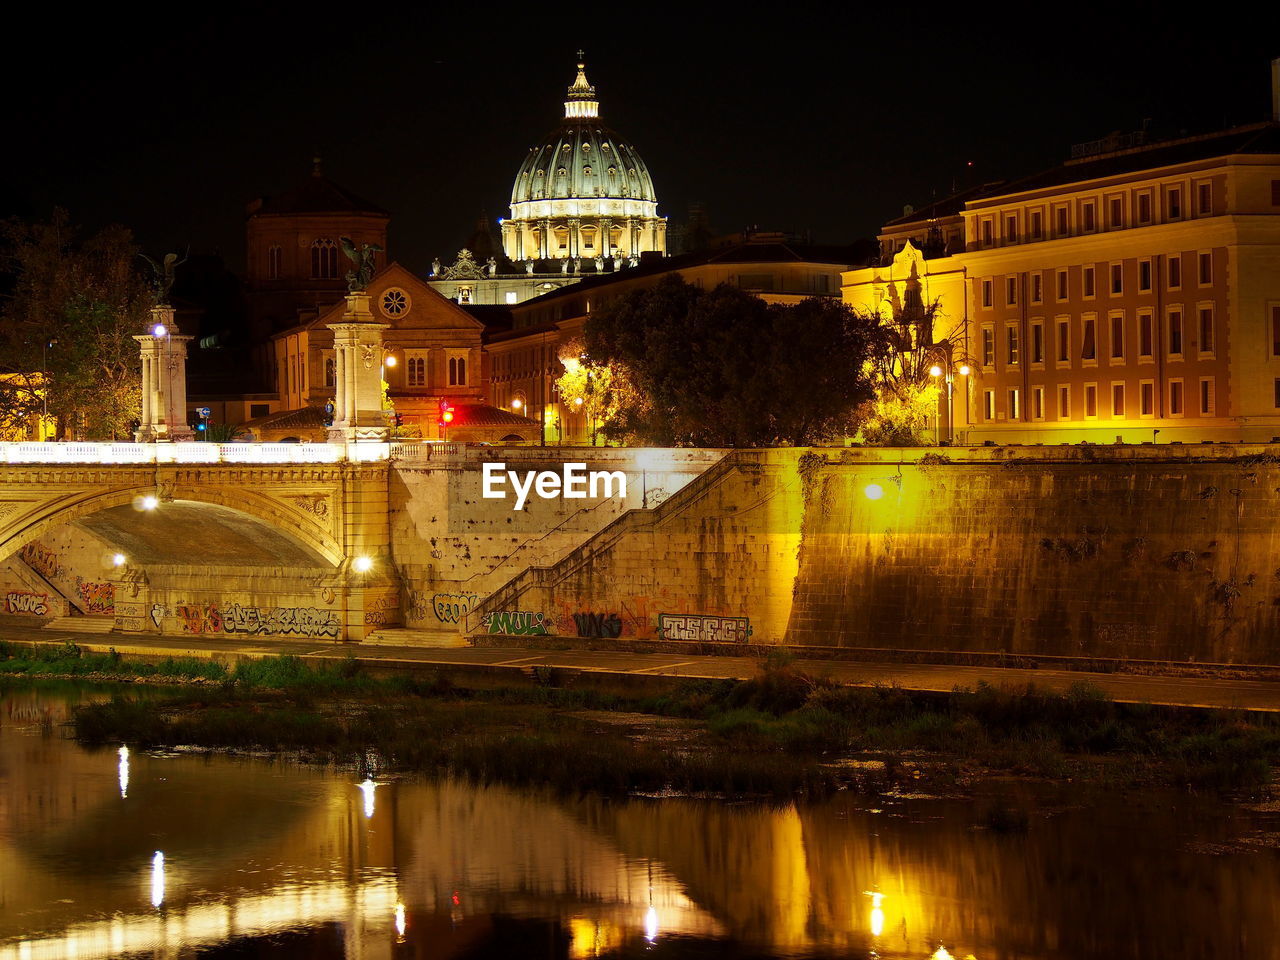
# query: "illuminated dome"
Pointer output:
{"type": "Point", "coordinates": [583, 193]}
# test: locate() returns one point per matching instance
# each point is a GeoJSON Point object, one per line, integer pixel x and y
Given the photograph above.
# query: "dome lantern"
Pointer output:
{"type": "Point", "coordinates": [582, 103]}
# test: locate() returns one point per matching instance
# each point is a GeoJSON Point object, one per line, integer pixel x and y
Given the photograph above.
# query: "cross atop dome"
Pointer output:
{"type": "Point", "coordinates": [582, 103]}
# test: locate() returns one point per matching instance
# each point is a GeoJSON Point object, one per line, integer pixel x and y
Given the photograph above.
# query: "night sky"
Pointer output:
{"type": "Point", "coordinates": [824, 118]}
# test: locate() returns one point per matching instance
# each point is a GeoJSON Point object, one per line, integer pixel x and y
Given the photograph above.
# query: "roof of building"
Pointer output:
{"type": "Point", "coordinates": [582, 158]}
{"type": "Point", "coordinates": [317, 194]}
{"type": "Point", "coordinates": [304, 418]}
{"type": "Point", "coordinates": [950, 206]}
{"type": "Point", "coordinates": [1256, 138]}
{"type": "Point", "coordinates": [484, 415]}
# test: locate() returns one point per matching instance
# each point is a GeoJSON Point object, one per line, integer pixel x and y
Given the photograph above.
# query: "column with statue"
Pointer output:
{"type": "Point", "coordinates": [164, 364]}
{"type": "Point", "coordinates": [357, 348]}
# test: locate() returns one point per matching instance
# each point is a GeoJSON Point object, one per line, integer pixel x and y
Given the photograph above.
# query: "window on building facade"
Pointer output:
{"type": "Point", "coordinates": [1062, 284]}
{"type": "Point", "coordinates": [415, 369]}
{"type": "Point", "coordinates": [1116, 206]}
{"type": "Point", "coordinates": [1275, 193]}
{"type": "Point", "coordinates": [1037, 403]}
{"type": "Point", "coordinates": [1117, 278]}
{"type": "Point", "coordinates": [274, 255]}
{"type": "Point", "coordinates": [988, 347]}
{"type": "Point", "coordinates": [1015, 409]}
{"type": "Point", "coordinates": [1275, 330]}
{"type": "Point", "coordinates": [987, 293]}
{"type": "Point", "coordinates": [1175, 398]}
{"type": "Point", "coordinates": [1175, 333]}
{"type": "Point", "coordinates": [1175, 271]}
{"type": "Point", "coordinates": [1144, 207]}
{"type": "Point", "coordinates": [1090, 401]}
{"type": "Point", "coordinates": [1173, 203]}
{"type": "Point", "coordinates": [1011, 228]}
{"type": "Point", "coordinates": [1089, 350]}
{"type": "Point", "coordinates": [1206, 269]}
{"type": "Point", "coordinates": [1011, 291]}
{"type": "Point", "coordinates": [1117, 400]}
{"type": "Point", "coordinates": [1037, 288]}
{"type": "Point", "coordinates": [1037, 227]}
{"type": "Point", "coordinates": [1117, 336]}
{"type": "Point", "coordinates": [1064, 402]}
{"type": "Point", "coordinates": [259, 410]}
{"type": "Point", "coordinates": [1011, 341]}
{"type": "Point", "coordinates": [1087, 281]}
{"type": "Point", "coordinates": [1037, 342]}
{"type": "Point", "coordinates": [1145, 336]}
{"type": "Point", "coordinates": [1204, 199]}
{"type": "Point", "coordinates": [1088, 219]}
{"type": "Point", "coordinates": [324, 259]}
{"type": "Point", "coordinates": [1208, 402]}
{"type": "Point", "coordinates": [330, 371]}
{"type": "Point", "coordinates": [1144, 276]}
{"type": "Point", "coordinates": [457, 371]}
{"type": "Point", "coordinates": [989, 404]}
{"type": "Point", "coordinates": [1277, 386]}
{"type": "Point", "coordinates": [1147, 398]}
{"type": "Point", "coordinates": [1064, 342]}
{"type": "Point", "coordinates": [988, 233]}
{"type": "Point", "coordinates": [1060, 221]}
{"type": "Point", "coordinates": [1206, 329]}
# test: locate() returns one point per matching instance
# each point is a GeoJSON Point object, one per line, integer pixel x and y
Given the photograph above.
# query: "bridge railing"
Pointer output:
{"type": "Point", "coordinates": [135, 453]}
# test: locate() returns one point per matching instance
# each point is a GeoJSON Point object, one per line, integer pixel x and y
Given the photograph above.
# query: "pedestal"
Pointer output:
{"type": "Point", "coordinates": [357, 347]}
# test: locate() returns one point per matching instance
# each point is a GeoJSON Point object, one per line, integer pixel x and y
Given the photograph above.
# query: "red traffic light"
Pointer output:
{"type": "Point", "coordinates": [447, 416]}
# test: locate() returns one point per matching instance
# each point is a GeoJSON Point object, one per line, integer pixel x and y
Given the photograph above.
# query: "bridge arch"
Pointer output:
{"type": "Point", "coordinates": [237, 518]}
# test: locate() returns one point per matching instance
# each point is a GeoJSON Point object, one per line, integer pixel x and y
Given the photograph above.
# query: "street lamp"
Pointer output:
{"type": "Point", "coordinates": [947, 370]}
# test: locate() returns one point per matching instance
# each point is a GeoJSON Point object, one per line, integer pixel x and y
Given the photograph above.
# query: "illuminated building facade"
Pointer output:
{"type": "Point", "coordinates": [1132, 290]}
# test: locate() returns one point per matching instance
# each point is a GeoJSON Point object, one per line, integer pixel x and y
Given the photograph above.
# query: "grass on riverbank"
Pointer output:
{"type": "Point", "coordinates": [780, 733]}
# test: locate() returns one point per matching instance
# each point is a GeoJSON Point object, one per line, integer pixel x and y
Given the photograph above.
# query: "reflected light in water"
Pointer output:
{"type": "Point", "coordinates": [367, 789]}
{"type": "Point", "coordinates": [651, 925]}
{"type": "Point", "coordinates": [157, 879]}
{"type": "Point", "coordinates": [941, 954]}
{"type": "Point", "coordinates": [124, 771]}
{"type": "Point", "coordinates": [877, 914]}
{"type": "Point", "coordinates": [400, 922]}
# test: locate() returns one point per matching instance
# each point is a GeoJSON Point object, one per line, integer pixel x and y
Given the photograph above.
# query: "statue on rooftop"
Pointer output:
{"type": "Point", "coordinates": [362, 260]}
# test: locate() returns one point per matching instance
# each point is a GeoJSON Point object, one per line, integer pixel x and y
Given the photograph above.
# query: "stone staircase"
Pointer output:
{"type": "Point", "coordinates": [78, 623]}
{"type": "Point", "coordinates": [416, 637]}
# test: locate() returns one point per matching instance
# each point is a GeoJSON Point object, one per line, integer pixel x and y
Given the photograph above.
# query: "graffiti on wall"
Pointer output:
{"type": "Point", "coordinates": [708, 629]}
{"type": "Point", "coordinates": [638, 614]}
{"type": "Point", "coordinates": [517, 623]}
{"type": "Point", "coordinates": [259, 621]}
{"type": "Point", "coordinates": [42, 560]}
{"type": "Point", "coordinates": [27, 604]}
{"type": "Point", "coordinates": [97, 596]}
{"type": "Point", "coordinates": [453, 607]}
{"type": "Point", "coordinates": [376, 615]}
{"type": "Point", "coordinates": [607, 625]}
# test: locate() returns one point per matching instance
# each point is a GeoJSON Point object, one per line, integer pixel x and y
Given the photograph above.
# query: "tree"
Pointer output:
{"type": "Point", "coordinates": [724, 368]}
{"type": "Point", "coordinates": [906, 348]}
{"type": "Point", "coordinates": [87, 298]}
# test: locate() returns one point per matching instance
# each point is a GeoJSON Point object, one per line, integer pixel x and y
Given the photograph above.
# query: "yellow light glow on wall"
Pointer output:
{"type": "Point", "coordinates": [873, 491]}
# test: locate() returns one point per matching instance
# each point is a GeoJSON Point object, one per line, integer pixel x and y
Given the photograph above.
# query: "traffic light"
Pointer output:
{"type": "Point", "coordinates": [446, 413]}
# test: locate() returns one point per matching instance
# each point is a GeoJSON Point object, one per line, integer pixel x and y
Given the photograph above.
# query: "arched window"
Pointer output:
{"type": "Point", "coordinates": [457, 371]}
{"type": "Point", "coordinates": [274, 254]}
{"type": "Point", "coordinates": [324, 259]}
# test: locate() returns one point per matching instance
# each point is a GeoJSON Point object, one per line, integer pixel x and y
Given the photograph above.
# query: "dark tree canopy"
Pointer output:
{"type": "Point", "coordinates": [723, 368]}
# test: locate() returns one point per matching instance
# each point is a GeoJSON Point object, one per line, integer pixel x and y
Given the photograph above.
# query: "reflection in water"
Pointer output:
{"type": "Point", "coordinates": [157, 879]}
{"type": "Point", "coordinates": [251, 851]}
{"type": "Point", "coordinates": [367, 789]}
{"type": "Point", "coordinates": [124, 772]}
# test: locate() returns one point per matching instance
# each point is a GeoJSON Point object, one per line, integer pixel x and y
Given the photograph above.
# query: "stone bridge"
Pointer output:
{"type": "Point", "coordinates": [139, 534]}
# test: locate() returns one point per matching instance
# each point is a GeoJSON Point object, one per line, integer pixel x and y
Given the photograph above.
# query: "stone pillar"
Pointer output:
{"type": "Point", "coordinates": [164, 381]}
{"type": "Point", "coordinates": [605, 248]}
{"type": "Point", "coordinates": [357, 348]}
{"type": "Point", "coordinates": [575, 237]}
{"type": "Point", "coordinates": [544, 240]}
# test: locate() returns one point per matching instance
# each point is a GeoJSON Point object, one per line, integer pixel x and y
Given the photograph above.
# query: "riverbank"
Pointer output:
{"type": "Point", "coordinates": [781, 733]}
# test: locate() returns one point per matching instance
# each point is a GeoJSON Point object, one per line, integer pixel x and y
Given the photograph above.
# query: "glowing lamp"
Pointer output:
{"type": "Point", "coordinates": [965, 370]}
{"type": "Point", "coordinates": [159, 330]}
{"type": "Point", "coordinates": [873, 491]}
{"type": "Point", "coordinates": [119, 560]}
{"type": "Point", "coordinates": [577, 401]}
{"type": "Point", "coordinates": [935, 371]}
{"type": "Point", "coordinates": [517, 403]}
{"type": "Point", "coordinates": [150, 502]}
{"type": "Point", "coordinates": [447, 416]}
{"type": "Point", "coordinates": [362, 564]}
{"type": "Point", "coordinates": [390, 360]}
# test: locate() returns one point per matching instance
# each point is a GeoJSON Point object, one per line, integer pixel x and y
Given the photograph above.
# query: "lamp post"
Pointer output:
{"type": "Point", "coordinates": [947, 370]}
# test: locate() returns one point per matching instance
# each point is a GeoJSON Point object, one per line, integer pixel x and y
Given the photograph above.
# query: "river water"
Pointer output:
{"type": "Point", "coordinates": [107, 853]}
